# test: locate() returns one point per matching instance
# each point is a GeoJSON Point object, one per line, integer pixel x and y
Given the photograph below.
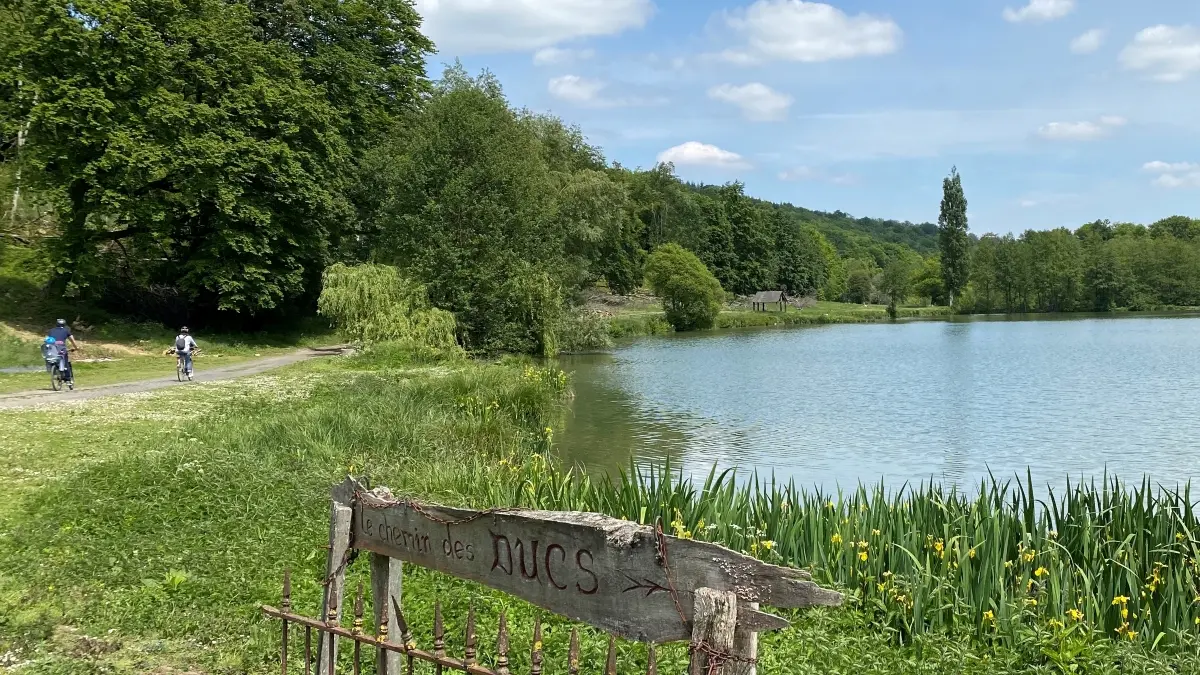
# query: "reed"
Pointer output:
{"type": "Point", "coordinates": [1103, 558]}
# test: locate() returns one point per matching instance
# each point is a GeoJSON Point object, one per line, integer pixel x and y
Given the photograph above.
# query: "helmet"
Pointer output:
{"type": "Point", "coordinates": [50, 340]}
{"type": "Point", "coordinates": [61, 322]}
{"type": "Point", "coordinates": [183, 330]}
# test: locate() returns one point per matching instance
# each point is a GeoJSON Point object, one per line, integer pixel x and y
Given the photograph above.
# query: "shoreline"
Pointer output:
{"type": "Point", "coordinates": [651, 323]}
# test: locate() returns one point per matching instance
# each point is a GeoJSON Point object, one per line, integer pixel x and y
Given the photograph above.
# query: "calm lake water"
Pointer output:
{"type": "Point", "coordinates": [947, 401]}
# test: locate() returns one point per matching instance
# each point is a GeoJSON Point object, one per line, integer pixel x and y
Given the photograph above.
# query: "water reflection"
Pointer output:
{"type": "Point", "coordinates": [836, 405]}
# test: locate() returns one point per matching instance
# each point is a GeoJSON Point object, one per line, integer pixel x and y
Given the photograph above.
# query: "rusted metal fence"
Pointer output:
{"type": "Point", "coordinates": [320, 642]}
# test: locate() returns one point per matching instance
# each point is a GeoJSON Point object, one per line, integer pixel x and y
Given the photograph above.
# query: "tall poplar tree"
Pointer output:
{"type": "Point", "coordinates": [952, 235]}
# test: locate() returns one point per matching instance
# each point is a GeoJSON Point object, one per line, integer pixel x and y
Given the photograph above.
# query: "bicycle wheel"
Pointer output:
{"type": "Point", "coordinates": [178, 370]}
{"type": "Point", "coordinates": [56, 381]}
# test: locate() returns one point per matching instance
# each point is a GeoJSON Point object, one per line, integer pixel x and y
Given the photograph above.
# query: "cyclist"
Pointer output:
{"type": "Point", "coordinates": [62, 333]}
{"type": "Point", "coordinates": [184, 346]}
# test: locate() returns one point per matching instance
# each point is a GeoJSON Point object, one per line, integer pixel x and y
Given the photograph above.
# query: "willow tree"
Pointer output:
{"type": "Point", "coordinates": [374, 303]}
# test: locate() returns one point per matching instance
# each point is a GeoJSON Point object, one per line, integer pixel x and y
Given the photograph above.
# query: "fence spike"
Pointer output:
{"type": "Point", "coordinates": [286, 604]}
{"type": "Point", "coordinates": [502, 646]}
{"type": "Point", "coordinates": [610, 665]}
{"type": "Point", "coordinates": [385, 618]}
{"type": "Point", "coordinates": [331, 618]}
{"type": "Point", "coordinates": [406, 637]}
{"type": "Point", "coordinates": [535, 654]}
{"type": "Point", "coordinates": [439, 631]}
{"type": "Point", "coordinates": [358, 611]}
{"type": "Point", "coordinates": [469, 654]}
{"type": "Point", "coordinates": [651, 661]}
{"type": "Point", "coordinates": [573, 653]}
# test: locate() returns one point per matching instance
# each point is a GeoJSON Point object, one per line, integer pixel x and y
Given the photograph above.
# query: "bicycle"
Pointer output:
{"type": "Point", "coordinates": [58, 378]}
{"type": "Point", "coordinates": [180, 373]}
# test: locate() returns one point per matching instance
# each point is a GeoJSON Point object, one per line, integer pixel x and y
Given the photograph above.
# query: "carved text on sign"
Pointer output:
{"type": "Point", "coordinates": [588, 567]}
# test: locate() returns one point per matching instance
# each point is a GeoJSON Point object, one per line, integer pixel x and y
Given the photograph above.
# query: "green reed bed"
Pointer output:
{"type": "Point", "coordinates": [1104, 558]}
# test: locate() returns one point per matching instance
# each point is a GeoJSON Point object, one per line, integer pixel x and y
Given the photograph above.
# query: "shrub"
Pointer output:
{"type": "Point", "coordinates": [583, 331]}
{"type": "Point", "coordinates": [374, 303]}
{"type": "Point", "coordinates": [691, 295]}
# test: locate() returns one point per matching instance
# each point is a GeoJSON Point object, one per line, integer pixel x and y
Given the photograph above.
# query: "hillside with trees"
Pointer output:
{"type": "Point", "coordinates": [208, 162]}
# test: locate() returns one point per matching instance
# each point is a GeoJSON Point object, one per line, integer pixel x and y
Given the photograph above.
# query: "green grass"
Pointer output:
{"type": "Point", "coordinates": [155, 524]}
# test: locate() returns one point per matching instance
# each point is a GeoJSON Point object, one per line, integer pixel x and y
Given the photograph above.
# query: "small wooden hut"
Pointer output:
{"type": "Point", "coordinates": [762, 299]}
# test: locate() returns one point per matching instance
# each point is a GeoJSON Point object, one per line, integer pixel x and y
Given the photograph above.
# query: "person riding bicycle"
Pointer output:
{"type": "Point", "coordinates": [184, 346]}
{"type": "Point", "coordinates": [61, 334]}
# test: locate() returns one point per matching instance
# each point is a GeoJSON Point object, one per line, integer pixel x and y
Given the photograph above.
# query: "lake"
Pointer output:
{"type": "Point", "coordinates": [911, 401]}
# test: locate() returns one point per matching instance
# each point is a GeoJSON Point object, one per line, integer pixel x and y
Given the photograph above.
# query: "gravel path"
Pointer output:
{"type": "Point", "coordinates": [27, 399]}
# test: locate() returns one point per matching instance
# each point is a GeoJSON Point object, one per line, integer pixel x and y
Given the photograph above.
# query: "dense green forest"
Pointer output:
{"type": "Point", "coordinates": [207, 161]}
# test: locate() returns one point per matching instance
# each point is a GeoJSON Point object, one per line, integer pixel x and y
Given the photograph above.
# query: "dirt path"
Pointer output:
{"type": "Point", "coordinates": [26, 399]}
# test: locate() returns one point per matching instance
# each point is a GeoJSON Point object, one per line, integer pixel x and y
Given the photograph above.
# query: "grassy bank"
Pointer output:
{"type": "Point", "coordinates": [139, 533]}
{"type": "Point", "coordinates": [643, 322]}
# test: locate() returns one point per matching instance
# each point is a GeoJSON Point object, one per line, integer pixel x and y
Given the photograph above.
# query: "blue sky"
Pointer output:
{"type": "Point", "coordinates": [1056, 112]}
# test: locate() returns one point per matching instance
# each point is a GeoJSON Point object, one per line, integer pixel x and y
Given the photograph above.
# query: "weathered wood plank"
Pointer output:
{"type": "Point", "coordinates": [387, 582]}
{"type": "Point", "coordinates": [332, 601]}
{"type": "Point", "coordinates": [588, 567]}
{"type": "Point", "coordinates": [745, 648]}
{"type": "Point", "coordinates": [713, 629]}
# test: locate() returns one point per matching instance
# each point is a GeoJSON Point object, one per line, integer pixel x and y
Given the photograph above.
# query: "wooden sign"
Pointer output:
{"type": "Point", "coordinates": [603, 571]}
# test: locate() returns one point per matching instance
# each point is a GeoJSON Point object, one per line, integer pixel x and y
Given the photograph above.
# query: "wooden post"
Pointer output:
{"type": "Point", "coordinates": [714, 618]}
{"type": "Point", "coordinates": [335, 582]}
{"type": "Point", "coordinates": [745, 647]}
{"type": "Point", "coordinates": [387, 583]}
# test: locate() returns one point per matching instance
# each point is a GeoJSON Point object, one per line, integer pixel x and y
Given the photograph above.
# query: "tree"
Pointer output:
{"type": "Point", "coordinates": [470, 212]}
{"type": "Point", "coordinates": [802, 267]}
{"type": "Point", "coordinates": [1180, 227]}
{"type": "Point", "coordinates": [202, 146]}
{"type": "Point", "coordinates": [691, 295]}
{"type": "Point", "coordinates": [860, 280]}
{"type": "Point", "coordinates": [896, 282]}
{"type": "Point", "coordinates": [927, 280]}
{"type": "Point", "coordinates": [834, 287]}
{"type": "Point", "coordinates": [952, 235]}
{"type": "Point", "coordinates": [753, 242]}
{"type": "Point", "coordinates": [1106, 278]}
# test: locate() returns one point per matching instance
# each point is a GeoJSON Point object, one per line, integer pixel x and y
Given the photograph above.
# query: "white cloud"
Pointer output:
{"type": "Point", "coordinates": [800, 173]}
{"type": "Point", "coordinates": [759, 103]}
{"type": "Point", "coordinates": [1174, 174]}
{"type": "Point", "coordinates": [1081, 131]}
{"type": "Point", "coordinates": [1169, 167]}
{"type": "Point", "coordinates": [549, 56]}
{"type": "Point", "coordinates": [1186, 180]}
{"type": "Point", "coordinates": [1170, 53]}
{"type": "Point", "coordinates": [478, 26]}
{"type": "Point", "coordinates": [587, 92]}
{"type": "Point", "coordinates": [793, 30]}
{"type": "Point", "coordinates": [575, 89]}
{"type": "Point", "coordinates": [1088, 42]}
{"type": "Point", "coordinates": [808, 173]}
{"type": "Point", "coordinates": [694, 153]}
{"type": "Point", "coordinates": [1040, 10]}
